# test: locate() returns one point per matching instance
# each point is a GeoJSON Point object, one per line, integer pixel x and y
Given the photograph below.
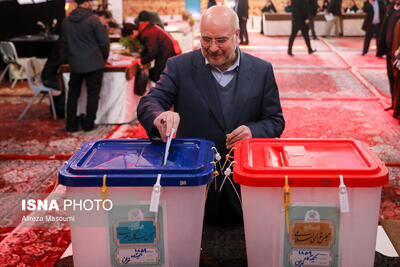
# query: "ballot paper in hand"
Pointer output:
{"type": "Point", "coordinates": [328, 16]}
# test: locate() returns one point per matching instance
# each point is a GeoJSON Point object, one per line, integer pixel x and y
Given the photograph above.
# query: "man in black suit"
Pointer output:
{"type": "Point", "coordinates": [217, 93]}
{"type": "Point", "coordinates": [242, 11]}
{"type": "Point", "coordinates": [375, 12]}
{"type": "Point", "coordinates": [300, 21]}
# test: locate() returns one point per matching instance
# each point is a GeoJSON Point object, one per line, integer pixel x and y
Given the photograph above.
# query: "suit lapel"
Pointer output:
{"type": "Point", "coordinates": [246, 76]}
{"type": "Point", "coordinates": [206, 85]}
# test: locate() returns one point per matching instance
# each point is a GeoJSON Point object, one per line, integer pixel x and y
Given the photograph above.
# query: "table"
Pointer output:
{"type": "Point", "coordinates": [39, 46]}
{"type": "Point", "coordinates": [281, 24]}
{"type": "Point", "coordinates": [117, 104]}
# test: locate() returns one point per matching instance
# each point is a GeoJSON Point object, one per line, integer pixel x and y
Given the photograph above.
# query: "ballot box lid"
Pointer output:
{"type": "Point", "coordinates": [307, 163]}
{"type": "Point", "coordinates": [137, 162]}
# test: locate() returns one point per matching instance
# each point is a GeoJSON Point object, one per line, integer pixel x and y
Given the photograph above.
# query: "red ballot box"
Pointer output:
{"type": "Point", "coordinates": [326, 214]}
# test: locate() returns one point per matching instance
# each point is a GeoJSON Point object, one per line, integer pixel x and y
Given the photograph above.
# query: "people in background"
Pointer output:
{"type": "Point", "coordinates": [300, 21]}
{"type": "Point", "coordinates": [324, 8]}
{"type": "Point", "coordinates": [396, 74]}
{"type": "Point", "coordinates": [313, 8]}
{"type": "Point", "coordinates": [158, 45]}
{"type": "Point", "coordinates": [388, 6]}
{"type": "Point", "coordinates": [53, 62]}
{"type": "Point", "coordinates": [86, 42]}
{"type": "Point", "coordinates": [334, 8]}
{"type": "Point", "coordinates": [211, 3]}
{"type": "Point", "coordinates": [131, 31]}
{"type": "Point", "coordinates": [49, 78]}
{"type": "Point", "coordinates": [288, 7]}
{"type": "Point", "coordinates": [242, 11]}
{"type": "Point", "coordinates": [154, 18]}
{"type": "Point", "coordinates": [268, 8]}
{"type": "Point", "coordinates": [217, 93]}
{"type": "Point", "coordinates": [375, 13]}
{"type": "Point", "coordinates": [351, 8]}
{"type": "Point", "coordinates": [387, 44]}
{"type": "Point", "coordinates": [108, 21]}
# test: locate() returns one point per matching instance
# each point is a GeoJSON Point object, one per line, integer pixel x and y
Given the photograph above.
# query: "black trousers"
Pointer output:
{"type": "Point", "coordinates": [373, 32]}
{"type": "Point", "coordinates": [296, 26]}
{"type": "Point", "coordinates": [243, 35]}
{"type": "Point", "coordinates": [223, 208]}
{"type": "Point", "coordinates": [311, 27]}
{"type": "Point", "coordinates": [389, 67]}
{"type": "Point", "coordinates": [93, 83]}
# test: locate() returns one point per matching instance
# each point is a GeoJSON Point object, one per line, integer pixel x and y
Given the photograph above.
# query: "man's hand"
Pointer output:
{"type": "Point", "coordinates": [307, 21]}
{"type": "Point", "coordinates": [241, 132]}
{"type": "Point", "coordinates": [165, 122]}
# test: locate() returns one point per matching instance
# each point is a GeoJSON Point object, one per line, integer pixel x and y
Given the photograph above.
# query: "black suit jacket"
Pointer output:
{"type": "Point", "coordinates": [188, 84]}
{"type": "Point", "coordinates": [369, 10]}
{"type": "Point", "coordinates": [300, 10]}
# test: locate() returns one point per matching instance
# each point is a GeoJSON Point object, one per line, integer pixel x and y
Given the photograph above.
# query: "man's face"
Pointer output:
{"type": "Point", "coordinates": [218, 44]}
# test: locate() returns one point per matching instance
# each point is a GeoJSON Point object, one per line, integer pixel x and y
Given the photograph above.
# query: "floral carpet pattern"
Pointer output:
{"type": "Point", "coordinates": [334, 93]}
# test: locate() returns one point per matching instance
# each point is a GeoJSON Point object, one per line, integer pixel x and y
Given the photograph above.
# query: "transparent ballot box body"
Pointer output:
{"type": "Point", "coordinates": [321, 231]}
{"type": "Point", "coordinates": [124, 172]}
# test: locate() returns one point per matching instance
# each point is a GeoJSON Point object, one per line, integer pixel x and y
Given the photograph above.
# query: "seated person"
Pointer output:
{"type": "Point", "coordinates": [49, 72]}
{"type": "Point", "coordinates": [352, 7]}
{"type": "Point", "coordinates": [49, 77]}
{"type": "Point", "coordinates": [324, 7]}
{"type": "Point", "coordinates": [288, 7]}
{"type": "Point", "coordinates": [269, 7]}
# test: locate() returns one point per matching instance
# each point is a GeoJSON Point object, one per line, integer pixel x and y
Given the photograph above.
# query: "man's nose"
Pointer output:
{"type": "Point", "coordinates": [213, 46]}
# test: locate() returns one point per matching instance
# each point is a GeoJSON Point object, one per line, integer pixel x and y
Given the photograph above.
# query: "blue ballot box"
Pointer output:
{"type": "Point", "coordinates": [110, 184]}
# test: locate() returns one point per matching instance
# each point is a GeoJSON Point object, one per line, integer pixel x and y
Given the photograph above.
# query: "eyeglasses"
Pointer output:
{"type": "Point", "coordinates": [219, 41]}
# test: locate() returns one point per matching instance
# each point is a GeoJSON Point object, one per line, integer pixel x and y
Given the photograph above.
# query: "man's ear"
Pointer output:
{"type": "Point", "coordinates": [237, 35]}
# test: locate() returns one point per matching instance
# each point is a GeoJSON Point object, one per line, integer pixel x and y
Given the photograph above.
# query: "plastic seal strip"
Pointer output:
{"type": "Point", "coordinates": [155, 195]}
{"type": "Point", "coordinates": [343, 197]}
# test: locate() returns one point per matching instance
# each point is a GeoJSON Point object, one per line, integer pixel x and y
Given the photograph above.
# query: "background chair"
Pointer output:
{"type": "Point", "coordinates": [10, 57]}
{"type": "Point", "coordinates": [33, 74]}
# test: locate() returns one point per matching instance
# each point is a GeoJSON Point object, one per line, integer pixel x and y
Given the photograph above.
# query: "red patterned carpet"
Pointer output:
{"type": "Point", "coordinates": [335, 93]}
{"type": "Point", "coordinates": [378, 79]}
{"type": "Point", "coordinates": [320, 84]}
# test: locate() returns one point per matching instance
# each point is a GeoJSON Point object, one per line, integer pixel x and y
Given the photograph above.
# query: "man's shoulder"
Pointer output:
{"type": "Point", "coordinates": [93, 18]}
{"type": "Point", "coordinates": [187, 57]}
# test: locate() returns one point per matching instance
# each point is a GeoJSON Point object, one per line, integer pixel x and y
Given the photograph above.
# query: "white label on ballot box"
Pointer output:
{"type": "Point", "coordinates": [137, 236]}
{"type": "Point", "coordinates": [308, 257]}
{"type": "Point", "coordinates": [139, 255]}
